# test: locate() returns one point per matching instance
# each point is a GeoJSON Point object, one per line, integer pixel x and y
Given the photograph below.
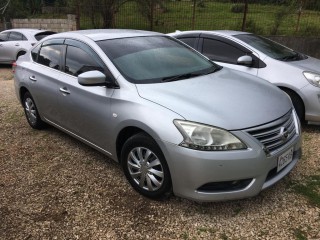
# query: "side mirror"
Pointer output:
{"type": "Point", "coordinates": [245, 60]}
{"type": "Point", "coordinates": [92, 78]}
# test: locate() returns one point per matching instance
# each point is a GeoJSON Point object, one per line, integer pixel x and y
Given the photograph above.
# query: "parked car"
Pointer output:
{"type": "Point", "coordinates": [172, 118]}
{"type": "Point", "coordinates": [295, 73]}
{"type": "Point", "coordinates": [16, 42]}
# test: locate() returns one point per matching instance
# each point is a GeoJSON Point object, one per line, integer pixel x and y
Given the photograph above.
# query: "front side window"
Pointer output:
{"type": "Point", "coordinates": [219, 51]}
{"type": "Point", "coordinates": [78, 61]}
{"type": "Point", "coordinates": [35, 52]}
{"type": "Point", "coordinates": [50, 56]}
{"type": "Point", "coordinates": [153, 59]}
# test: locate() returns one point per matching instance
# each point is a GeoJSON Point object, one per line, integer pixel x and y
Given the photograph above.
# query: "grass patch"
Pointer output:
{"type": "Point", "coordinates": [299, 234]}
{"type": "Point", "coordinates": [310, 189]}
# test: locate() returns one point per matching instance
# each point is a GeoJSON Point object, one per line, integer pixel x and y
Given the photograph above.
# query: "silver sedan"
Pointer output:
{"type": "Point", "coordinates": [295, 73]}
{"type": "Point", "coordinates": [174, 120]}
{"type": "Point", "coordinates": [16, 42]}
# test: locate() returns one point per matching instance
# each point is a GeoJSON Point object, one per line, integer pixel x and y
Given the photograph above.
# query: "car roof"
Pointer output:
{"type": "Point", "coordinates": [216, 32]}
{"type": "Point", "coordinates": [103, 34]}
{"type": "Point", "coordinates": [26, 30]}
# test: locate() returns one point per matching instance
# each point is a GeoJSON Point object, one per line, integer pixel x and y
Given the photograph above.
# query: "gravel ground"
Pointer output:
{"type": "Point", "coordinates": [54, 187]}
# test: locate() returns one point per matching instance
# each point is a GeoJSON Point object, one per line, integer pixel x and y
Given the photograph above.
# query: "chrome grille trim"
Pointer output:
{"type": "Point", "coordinates": [270, 136]}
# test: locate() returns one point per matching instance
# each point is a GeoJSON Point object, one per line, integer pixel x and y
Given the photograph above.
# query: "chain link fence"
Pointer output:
{"type": "Point", "coordinates": [274, 17]}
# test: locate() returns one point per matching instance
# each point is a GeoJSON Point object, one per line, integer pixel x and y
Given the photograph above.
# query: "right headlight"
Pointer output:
{"type": "Point", "coordinates": [207, 138]}
{"type": "Point", "coordinates": [313, 78]}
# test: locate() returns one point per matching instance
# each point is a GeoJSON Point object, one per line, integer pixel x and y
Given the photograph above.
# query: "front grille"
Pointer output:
{"type": "Point", "coordinates": [276, 134]}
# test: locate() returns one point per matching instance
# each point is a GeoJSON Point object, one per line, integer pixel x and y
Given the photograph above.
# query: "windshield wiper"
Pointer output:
{"type": "Point", "coordinates": [180, 77]}
{"type": "Point", "coordinates": [191, 75]}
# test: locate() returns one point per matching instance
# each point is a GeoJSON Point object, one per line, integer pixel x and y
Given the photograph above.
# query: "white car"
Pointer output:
{"type": "Point", "coordinates": [295, 73]}
{"type": "Point", "coordinates": [16, 42]}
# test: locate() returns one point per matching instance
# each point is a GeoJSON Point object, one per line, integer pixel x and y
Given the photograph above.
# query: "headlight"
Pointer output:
{"type": "Point", "coordinates": [207, 138]}
{"type": "Point", "coordinates": [313, 78]}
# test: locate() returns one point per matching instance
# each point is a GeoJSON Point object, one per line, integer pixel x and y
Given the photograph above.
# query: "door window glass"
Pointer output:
{"type": "Point", "coordinates": [220, 51]}
{"type": "Point", "coordinates": [189, 41]}
{"type": "Point", "coordinates": [15, 36]}
{"type": "Point", "coordinates": [50, 56]}
{"type": "Point", "coordinates": [78, 61]}
{"type": "Point", "coordinates": [4, 36]}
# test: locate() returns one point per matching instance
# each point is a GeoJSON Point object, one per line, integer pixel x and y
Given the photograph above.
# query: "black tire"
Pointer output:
{"type": "Point", "coordinates": [154, 180]}
{"type": "Point", "coordinates": [31, 112]}
{"type": "Point", "coordinates": [297, 103]}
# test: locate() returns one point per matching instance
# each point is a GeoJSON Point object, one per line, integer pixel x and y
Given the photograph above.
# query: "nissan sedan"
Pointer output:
{"type": "Point", "coordinates": [174, 120]}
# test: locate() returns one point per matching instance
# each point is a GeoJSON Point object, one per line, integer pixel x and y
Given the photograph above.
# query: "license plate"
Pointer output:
{"type": "Point", "coordinates": [284, 159]}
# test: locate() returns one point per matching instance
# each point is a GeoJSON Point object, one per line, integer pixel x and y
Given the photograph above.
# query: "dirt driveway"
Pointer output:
{"type": "Point", "coordinates": [54, 187]}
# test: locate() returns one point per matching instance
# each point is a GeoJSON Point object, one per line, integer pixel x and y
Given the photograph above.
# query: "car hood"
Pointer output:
{"type": "Point", "coordinates": [227, 99]}
{"type": "Point", "coordinates": [310, 64]}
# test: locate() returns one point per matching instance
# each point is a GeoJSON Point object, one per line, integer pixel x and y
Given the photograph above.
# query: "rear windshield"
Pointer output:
{"type": "Point", "coordinates": [153, 59]}
{"type": "Point", "coordinates": [41, 35]}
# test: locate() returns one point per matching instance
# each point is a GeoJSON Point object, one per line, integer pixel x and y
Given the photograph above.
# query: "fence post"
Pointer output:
{"type": "Point", "coordinates": [244, 20]}
{"type": "Point", "coordinates": [78, 16]}
{"type": "Point", "coordinates": [151, 15]}
{"type": "Point", "coordinates": [194, 14]}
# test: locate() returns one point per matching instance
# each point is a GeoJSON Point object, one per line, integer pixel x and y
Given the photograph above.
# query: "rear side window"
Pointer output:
{"type": "Point", "coordinates": [41, 35]}
{"type": "Point", "coordinates": [78, 61]}
{"type": "Point", "coordinates": [15, 36]}
{"type": "Point", "coordinates": [220, 51]}
{"type": "Point", "coordinates": [50, 56]}
{"type": "Point", "coordinates": [4, 36]}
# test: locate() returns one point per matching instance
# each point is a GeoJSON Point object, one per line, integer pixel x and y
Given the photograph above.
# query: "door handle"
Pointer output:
{"type": "Point", "coordinates": [17, 45]}
{"type": "Point", "coordinates": [33, 78]}
{"type": "Point", "coordinates": [64, 90]}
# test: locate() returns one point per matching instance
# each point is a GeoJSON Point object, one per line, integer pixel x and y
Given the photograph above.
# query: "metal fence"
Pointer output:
{"type": "Point", "coordinates": [275, 17]}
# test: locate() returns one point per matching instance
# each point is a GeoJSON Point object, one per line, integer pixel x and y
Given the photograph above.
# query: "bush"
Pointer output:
{"type": "Point", "coordinates": [237, 8]}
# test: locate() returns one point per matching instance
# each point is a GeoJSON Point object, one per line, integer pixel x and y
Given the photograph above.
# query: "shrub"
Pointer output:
{"type": "Point", "coordinates": [237, 8]}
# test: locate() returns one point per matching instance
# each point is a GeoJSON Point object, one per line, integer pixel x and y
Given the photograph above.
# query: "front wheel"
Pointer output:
{"type": "Point", "coordinates": [298, 104]}
{"type": "Point", "coordinates": [145, 166]}
{"type": "Point", "coordinates": [31, 112]}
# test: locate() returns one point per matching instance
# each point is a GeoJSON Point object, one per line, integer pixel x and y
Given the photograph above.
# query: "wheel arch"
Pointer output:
{"type": "Point", "coordinates": [124, 135]}
{"type": "Point", "coordinates": [22, 91]}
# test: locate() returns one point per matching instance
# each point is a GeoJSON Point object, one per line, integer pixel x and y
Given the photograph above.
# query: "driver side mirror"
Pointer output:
{"type": "Point", "coordinates": [93, 78]}
{"type": "Point", "coordinates": [245, 60]}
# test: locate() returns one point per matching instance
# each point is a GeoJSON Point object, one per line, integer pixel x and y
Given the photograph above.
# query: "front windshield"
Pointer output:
{"type": "Point", "coordinates": [154, 59]}
{"type": "Point", "coordinates": [270, 48]}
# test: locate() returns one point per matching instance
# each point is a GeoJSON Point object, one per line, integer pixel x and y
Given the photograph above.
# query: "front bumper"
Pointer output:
{"type": "Point", "coordinates": [311, 99]}
{"type": "Point", "coordinates": [191, 169]}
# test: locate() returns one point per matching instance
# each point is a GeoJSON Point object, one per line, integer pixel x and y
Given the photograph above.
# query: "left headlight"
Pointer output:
{"type": "Point", "coordinates": [313, 78]}
{"type": "Point", "coordinates": [207, 138]}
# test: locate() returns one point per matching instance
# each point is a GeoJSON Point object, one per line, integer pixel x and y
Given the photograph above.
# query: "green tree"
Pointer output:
{"type": "Point", "coordinates": [106, 8]}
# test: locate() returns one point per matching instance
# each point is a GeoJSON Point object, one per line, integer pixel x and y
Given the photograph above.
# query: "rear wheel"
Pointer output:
{"type": "Point", "coordinates": [145, 167]}
{"type": "Point", "coordinates": [297, 103]}
{"type": "Point", "coordinates": [31, 112]}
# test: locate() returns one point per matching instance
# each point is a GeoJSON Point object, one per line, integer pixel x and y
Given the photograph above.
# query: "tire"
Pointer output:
{"type": "Point", "coordinates": [298, 104]}
{"type": "Point", "coordinates": [148, 175]}
{"type": "Point", "coordinates": [31, 112]}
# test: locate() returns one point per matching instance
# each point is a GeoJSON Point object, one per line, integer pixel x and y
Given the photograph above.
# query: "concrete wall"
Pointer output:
{"type": "Point", "coordinates": [56, 25]}
{"type": "Point", "coordinates": [307, 45]}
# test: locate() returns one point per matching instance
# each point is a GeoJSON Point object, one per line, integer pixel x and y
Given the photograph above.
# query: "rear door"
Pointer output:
{"type": "Point", "coordinates": [11, 47]}
{"type": "Point", "coordinates": [43, 74]}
